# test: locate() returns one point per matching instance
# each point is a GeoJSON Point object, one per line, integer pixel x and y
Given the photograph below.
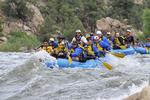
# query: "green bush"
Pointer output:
{"type": "Point", "coordinates": [141, 37]}
{"type": "Point", "coordinates": [1, 29]}
{"type": "Point", "coordinates": [146, 23]}
{"type": "Point", "coordinates": [16, 9]}
{"type": "Point", "coordinates": [18, 40]}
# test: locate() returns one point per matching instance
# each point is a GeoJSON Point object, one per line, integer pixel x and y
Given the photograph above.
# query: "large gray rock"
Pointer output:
{"type": "Point", "coordinates": [37, 19]}
{"type": "Point", "coordinates": [143, 95]}
{"type": "Point", "coordinates": [31, 26]}
{"type": "Point", "coordinates": [103, 24]}
{"type": "Point", "coordinates": [109, 24]}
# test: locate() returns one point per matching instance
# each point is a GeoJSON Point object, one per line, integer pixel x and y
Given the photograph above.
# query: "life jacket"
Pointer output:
{"type": "Point", "coordinates": [81, 56]}
{"type": "Point", "coordinates": [90, 50]}
{"type": "Point", "coordinates": [78, 39]}
{"type": "Point", "coordinates": [118, 42]}
{"type": "Point", "coordinates": [61, 48]}
{"type": "Point", "coordinates": [48, 49]}
{"type": "Point", "coordinates": [98, 46]}
{"type": "Point", "coordinates": [129, 40]}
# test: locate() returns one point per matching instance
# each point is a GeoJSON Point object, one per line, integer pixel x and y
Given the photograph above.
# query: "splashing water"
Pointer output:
{"type": "Point", "coordinates": [24, 77]}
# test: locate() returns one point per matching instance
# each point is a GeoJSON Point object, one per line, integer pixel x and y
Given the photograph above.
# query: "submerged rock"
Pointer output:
{"type": "Point", "coordinates": [143, 95]}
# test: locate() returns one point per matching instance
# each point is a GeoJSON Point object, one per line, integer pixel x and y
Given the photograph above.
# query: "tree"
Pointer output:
{"type": "Point", "coordinates": [147, 3]}
{"type": "Point", "coordinates": [146, 22]}
{"type": "Point", "coordinates": [121, 9]}
{"type": "Point", "coordinates": [126, 9]}
{"type": "Point", "coordinates": [1, 28]}
{"type": "Point", "coordinates": [60, 16]}
{"type": "Point", "coordinates": [16, 9]}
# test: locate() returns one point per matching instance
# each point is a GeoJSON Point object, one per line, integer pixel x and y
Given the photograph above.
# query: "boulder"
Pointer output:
{"type": "Point", "coordinates": [37, 19]}
{"type": "Point", "coordinates": [3, 39]}
{"type": "Point", "coordinates": [109, 24]}
{"type": "Point", "coordinates": [103, 25]}
{"type": "Point", "coordinates": [116, 23]}
{"type": "Point", "coordinates": [143, 95]}
{"type": "Point", "coordinates": [109, 20]}
{"type": "Point", "coordinates": [31, 26]}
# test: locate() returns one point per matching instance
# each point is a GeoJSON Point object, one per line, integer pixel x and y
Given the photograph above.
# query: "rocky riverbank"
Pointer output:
{"type": "Point", "coordinates": [143, 95]}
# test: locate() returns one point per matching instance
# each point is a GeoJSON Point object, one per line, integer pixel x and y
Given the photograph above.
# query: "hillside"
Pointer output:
{"type": "Point", "coordinates": [43, 18]}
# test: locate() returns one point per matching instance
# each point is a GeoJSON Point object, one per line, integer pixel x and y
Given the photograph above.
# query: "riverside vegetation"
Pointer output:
{"type": "Point", "coordinates": [69, 15]}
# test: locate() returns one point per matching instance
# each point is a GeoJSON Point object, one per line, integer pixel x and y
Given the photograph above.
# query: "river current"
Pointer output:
{"type": "Point", "coordinates": [23, 77]}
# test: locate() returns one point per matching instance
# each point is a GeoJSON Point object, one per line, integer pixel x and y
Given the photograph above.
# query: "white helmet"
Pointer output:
{"type": "Point", "coordinates": [96, 38]}
{"type": "Point", "coordinates": [78, 31]}
{"type": "Point", "coordinates": [117, 33]}
{"type": "Point", "coordinates": [99, 33]}
{"type": "Point", "coordinates": [63, 43]}
{"type": "Point", "coordinates": [51, 39]}
{"type": "Point", "coordinates": [108, 33]}
{"type": "Point", "coordinates": [128, 30]}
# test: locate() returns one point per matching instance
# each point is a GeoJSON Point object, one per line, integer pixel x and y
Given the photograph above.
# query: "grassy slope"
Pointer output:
{"type": "Point", "coordinates": [18, 40]}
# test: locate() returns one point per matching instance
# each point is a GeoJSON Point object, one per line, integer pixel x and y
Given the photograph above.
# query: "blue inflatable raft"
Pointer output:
{"type": "Point", "coordinates": [142, 50]}
{"type": "Point", "coordinates": [63, 63]}
{"type": "Point", "coordinates": [132, 50]}
{"type": "Point", "coordinates": [128, 51]}
{"type": "Point", "coordinates": [147, 45]}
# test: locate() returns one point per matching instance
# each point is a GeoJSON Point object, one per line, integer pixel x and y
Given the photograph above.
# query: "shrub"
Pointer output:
{"type": "Point", "coordinates": [146, 23]}
{"type": "Point", "coordinates": [18, 40]}
{"type": "Point", "coordinates": [1, 28]}
{"type": "Point", "coordinates": [16, 9]}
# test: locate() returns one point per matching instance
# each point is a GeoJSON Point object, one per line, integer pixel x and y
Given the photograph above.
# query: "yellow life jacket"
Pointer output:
{"type": "Point", "coordinates": [116, 40]}
{"type": "Point", "coordinates": [90, 50]}
{"type": "Point", "coordinates": [61, 48]}
{"type": "Point", "coordinates": [71, 50]}
{"type": "Point", "coordinates": [99, 47]}
{"type": "Point", "coordinates": [123, 47]}
{"type": "Point", "coordinates": [48, 49]}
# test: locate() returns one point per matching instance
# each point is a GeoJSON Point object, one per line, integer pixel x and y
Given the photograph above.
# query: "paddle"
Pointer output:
{"type": "Point", "coordinates": [147, 50]}
{"type": "Point", "coordinates": [106, 65]}
{"type": "Point", "coordinates": [119, 55]}
{"type": "Point", "coordinates": [69, 59]}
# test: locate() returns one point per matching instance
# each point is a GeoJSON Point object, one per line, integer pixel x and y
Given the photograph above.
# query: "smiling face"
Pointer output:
{"type": "Point", "coordinates": [78, 34]}
{"type": "Point", "coordinates": [117, 34]}
{"type": "Point", "coordinates": [45, 44]}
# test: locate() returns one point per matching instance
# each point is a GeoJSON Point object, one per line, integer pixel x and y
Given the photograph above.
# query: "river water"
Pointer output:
{"type": "Point", "coordinates": [23, 77]}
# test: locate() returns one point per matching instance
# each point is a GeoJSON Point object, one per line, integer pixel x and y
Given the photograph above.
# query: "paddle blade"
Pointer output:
{"type": "Point", "coordinates": [147, 50]}
{"type": "Point", "coordinates": [120, 55]}
{"type": "Point", "coordinates": [108, 66]}
{"type": "Point", "coordinates": [69, 60]}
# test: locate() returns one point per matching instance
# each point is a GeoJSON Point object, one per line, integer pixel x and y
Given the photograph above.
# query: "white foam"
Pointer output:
{"type": "Point", "coordinates": [132, 90]}
{"type": "Point", "coordinates": [45, 58]}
